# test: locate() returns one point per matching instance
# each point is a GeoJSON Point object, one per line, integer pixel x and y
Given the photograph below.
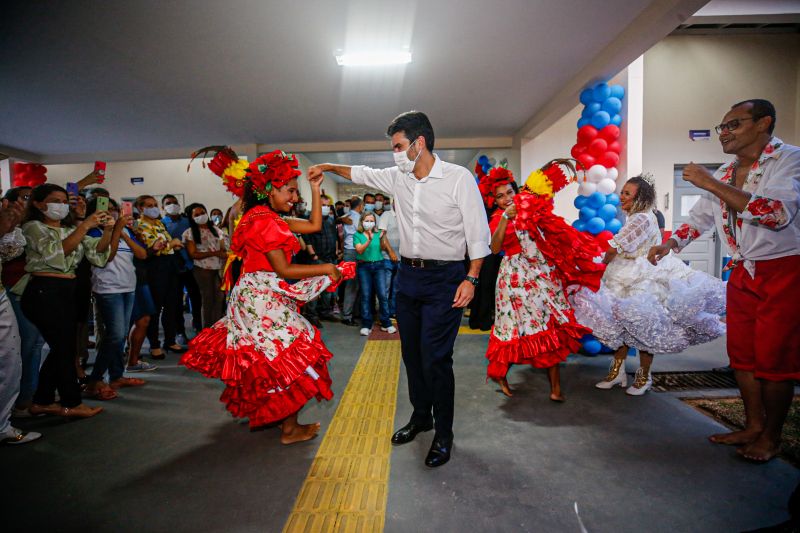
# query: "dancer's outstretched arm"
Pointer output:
{"type": "Point", "coordinates": [287, 270]}
{"type": "Point", "coordinates": [314, 223]}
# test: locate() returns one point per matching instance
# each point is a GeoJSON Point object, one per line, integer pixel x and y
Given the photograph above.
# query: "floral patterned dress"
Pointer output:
{"type": "Point", "coordinates": [659, 309]}
{"type": "Point", "coordinates": [271, 359]}
{"type": "Point", "coordinates": [534, 323]}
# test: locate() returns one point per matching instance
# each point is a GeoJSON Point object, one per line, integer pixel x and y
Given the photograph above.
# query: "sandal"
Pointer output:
{"type": "Point", "coordinates": [157, 353]}
{"type": "Point", "coordinates": [101, 391]}
{"type": "Point", "coordinates": [127, 382]}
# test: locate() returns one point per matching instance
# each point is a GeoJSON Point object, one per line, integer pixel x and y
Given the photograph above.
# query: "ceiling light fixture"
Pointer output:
{"type": "Point", "coordinates": [361, 59]}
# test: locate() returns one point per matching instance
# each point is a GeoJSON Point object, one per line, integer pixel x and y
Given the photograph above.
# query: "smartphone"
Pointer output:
{"type": "Point", "coordinates": [100, 168]}
{"type": "Point", "coordinates": [102, 203]}
{"type": "Point", "coordinates": [127, 209]}
{"type": "Point", "coordinates": [72, 188]}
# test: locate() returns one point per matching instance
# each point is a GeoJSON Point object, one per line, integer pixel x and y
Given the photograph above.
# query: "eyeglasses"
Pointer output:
{"type": "Point", "coordinates": [731, 124]}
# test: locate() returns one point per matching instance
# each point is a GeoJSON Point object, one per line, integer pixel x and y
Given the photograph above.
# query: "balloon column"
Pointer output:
{"type": "Point", "coordinates": [597, 149]}
{"type": "Point", "coordinates": [29, 174]}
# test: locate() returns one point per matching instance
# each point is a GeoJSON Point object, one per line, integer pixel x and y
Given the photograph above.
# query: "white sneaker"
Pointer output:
{"type": "Point", "coordinates": [14, 436]}
{"type": "Point", "coordinates": [616, 375]}
{"type": "Point", "coordinates": [641, 384]}
{"type": "Point", "coordinates": [364, 332]}
{"type": "Point", "coordinates": [390, 329]}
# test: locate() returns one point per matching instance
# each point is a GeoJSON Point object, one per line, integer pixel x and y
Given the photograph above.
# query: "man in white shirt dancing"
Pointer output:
{"type": "Point", "coordinates": [441, 219]}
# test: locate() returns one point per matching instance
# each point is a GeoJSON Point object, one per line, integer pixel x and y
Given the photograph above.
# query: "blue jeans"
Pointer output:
{"type": "Point", "coordinates": [32, 343]}
{"type": "Point", "coordinates": [115, 312]}
{"type": "Point", "coordinates": [391, 284]}
{"type": "Point", "coordinates": [372, 280]}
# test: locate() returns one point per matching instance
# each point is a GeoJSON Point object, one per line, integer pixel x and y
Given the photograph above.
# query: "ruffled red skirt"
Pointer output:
{"type": "Point", "coordinates": [256, 388]}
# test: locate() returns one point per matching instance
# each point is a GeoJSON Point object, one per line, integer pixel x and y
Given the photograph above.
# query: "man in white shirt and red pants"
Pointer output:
{"type": "Point", "coordinates": [754, 205]}
{"type": "Point", "coordinates": [441, 219]}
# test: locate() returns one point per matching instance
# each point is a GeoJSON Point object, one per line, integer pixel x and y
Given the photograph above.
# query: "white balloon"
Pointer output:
{"type": "Point", "coordinates": [586, 188]}
{"type": "Point", "coordinates": [597, 173]}
{"type": "Point", "coordinates": [607, 186]}
{"type": "Point", "coordinates": [613, 173]}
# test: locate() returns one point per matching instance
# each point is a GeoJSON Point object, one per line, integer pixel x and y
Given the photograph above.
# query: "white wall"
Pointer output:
{"type": "Point", "coordinates": [690, 82]}
{"type": "Point", "coordinates": [329, 185]}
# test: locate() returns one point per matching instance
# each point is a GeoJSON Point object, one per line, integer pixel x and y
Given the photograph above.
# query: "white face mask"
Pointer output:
{"type": "Point", "coordinates": [217, 219]}
{"type": "Point", "coordinates": [387, 207]}
{"type": "Point", "coordinates": [403, 162]}
{"type": "Point", "coordinates": [326, 210]}
{"type": "Point", "coordinates": [368, 225]}
{"type": "Point", "coordinates": [369, 208]}
{"type": "Point", "coordinates": [56, 211]}
{"type": "Point", "coordinates": [172, 209]}
{"type": "Point", "coordinates": [202, 219]}
{"type": "Point", "coordinates": [151, 212]}
{"type": "Point", "coordinates": [378, 206]}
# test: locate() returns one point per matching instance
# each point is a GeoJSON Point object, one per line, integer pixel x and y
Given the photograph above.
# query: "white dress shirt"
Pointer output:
{"type": "Point", "coordinates": [440, 216]}
{"type": "Point", "coordinates": [769, 227]}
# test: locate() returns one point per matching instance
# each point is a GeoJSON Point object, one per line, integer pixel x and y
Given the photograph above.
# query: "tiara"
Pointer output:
{"type": "Point", "coordinates": [648, 177]}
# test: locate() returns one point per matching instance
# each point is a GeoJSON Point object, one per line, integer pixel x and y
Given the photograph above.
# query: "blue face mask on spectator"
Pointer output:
{"type": "Point", "coordinates": [369, 207]}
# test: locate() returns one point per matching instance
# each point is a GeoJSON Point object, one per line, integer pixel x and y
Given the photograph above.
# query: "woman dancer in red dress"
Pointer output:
{"type": "Point", "coordinates": [271, 359]}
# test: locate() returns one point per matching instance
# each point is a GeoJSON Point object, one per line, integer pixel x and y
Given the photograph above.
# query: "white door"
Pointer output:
{"type": "Point", "coordinates": [703, 253]}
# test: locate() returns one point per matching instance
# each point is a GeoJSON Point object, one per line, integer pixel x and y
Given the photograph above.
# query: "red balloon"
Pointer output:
{"type": "Point", "coordinates": [586, 160]}
{"type": "Point", "coordinates": [604, 236]}
{"type": "Point", "coordinates": [577, 150]}
{"type": "Point", "coordinates": [609, 160]}
{"type": "Point", "coordinates": [609, 133]}
{"type": "Point", "coordinates": [615, 147]}
{"type": "Point", "coordinates": [586, 134]}
{"type": "Point", "coordinates": [598, 147]}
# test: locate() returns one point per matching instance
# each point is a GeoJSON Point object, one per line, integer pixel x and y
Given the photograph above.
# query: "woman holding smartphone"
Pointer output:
{"type": "Point", "coordinates": [55, 246]}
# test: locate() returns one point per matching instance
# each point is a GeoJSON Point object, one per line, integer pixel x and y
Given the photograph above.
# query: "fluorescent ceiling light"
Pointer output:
{"type": "Point", "coordinates": [359, 59]}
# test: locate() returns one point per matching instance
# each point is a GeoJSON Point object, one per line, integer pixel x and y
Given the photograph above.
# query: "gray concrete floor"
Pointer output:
{"type": "Point", "coordinates": [167, 457]}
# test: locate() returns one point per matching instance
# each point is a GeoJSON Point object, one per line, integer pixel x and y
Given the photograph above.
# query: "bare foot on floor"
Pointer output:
{"type": "Point", "coordinates": [504, 388]}
{"type": "Point", "coordinates": [299, 433]}
{"type": "Point", "coordinates": [736, 438]}
{"type": "Point", "coordinates": [761, 450]}
{"type": "Point", "coordinates": [127, 382]}
{"type": "Point", "coordinates": [80, 411]}
{"type": "Point", "coordinates": [557, 397]}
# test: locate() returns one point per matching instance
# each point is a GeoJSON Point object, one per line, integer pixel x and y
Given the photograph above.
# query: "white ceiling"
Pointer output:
{"type": "Point", "coordinates": [90, 76]}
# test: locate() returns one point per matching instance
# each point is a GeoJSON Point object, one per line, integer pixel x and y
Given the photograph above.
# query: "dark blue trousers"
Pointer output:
{"type": "Point", "coordinates": [428, 328]}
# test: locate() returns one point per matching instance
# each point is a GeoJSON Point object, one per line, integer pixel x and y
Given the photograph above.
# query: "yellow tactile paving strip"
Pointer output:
{"type": "Point", "coordinates": [466, 330]}
{"type": "Point", "coordinates": [348, 482]}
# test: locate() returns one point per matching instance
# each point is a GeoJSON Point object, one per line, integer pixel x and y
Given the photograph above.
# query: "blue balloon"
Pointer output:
{"type": "Point", "coordinates": [618, 91]}
{"type": "Point", "coordinates": [483, 160]}
{"type": "Point", "coordinates": [614, 225]}
{"type": "Point", "coordinates": [579, 201]}
{"type": "Point", "coordinates": [600, 92]}
{"type": "Point", "coordinates": [579, 225]}
{"type": "Point", "coordinates": [586, 213]}
{"type": "Point", "coordinates": [587, 95]}
{"type": "Point", "coordinates": [595, 225]}
{"type": "Point", "coordinates": [583, 121]}
{"type": "Point", "coordinates": [612, 106]}
{"type": "Point", "coordinates": [607, 212]}
{"type": "Point", "coordinates": [587, 337]}
{"type": "Point", "coordinates": [593, 108]}
{"type": "Point", "coordinates": [592, 347]}
{"type": "Point", "coordinates": [605, 349]}
{"type": "Point", "coordinates": [601, 119]}
{"type": "Point", "coordinates": [612, 199]}
{"type": "Point", "coordinates": [596, 200]}
{"type": "Point", "coordinates": [616, 120]}
{"type": "Point", "coordinates": [486, 168]}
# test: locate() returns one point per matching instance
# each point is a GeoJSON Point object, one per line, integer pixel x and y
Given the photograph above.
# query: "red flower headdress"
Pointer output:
{"type": "Point", "coordinates": [274, 169]}
{"type": "Point", "coordinates": [489, 182]}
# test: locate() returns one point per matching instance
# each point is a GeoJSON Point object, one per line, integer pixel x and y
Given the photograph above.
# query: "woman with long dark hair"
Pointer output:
{"type": "Point", "coordinates": [55, 246]}
{"type": "Point", "coordinates": [207, 246]}
{"type": "Point", "coordinates": [655, 309]}
{"type": "Point", "coordinates": [271, 359]}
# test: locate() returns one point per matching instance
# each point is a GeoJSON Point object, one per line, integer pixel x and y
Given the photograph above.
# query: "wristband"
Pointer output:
{"type": "Point", "coordinates": [504, 215]}
{"type": "Point", "coordinates": [472, 280]}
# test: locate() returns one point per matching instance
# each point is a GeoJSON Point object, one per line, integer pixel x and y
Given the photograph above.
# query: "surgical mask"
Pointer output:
{"type": "Point", "coordinates": [369, 208]}
{"type": "Point", "coordinates": [217, 219]}
{"type": "Point", "coordinates": [368, 225]}
{"type": "Point", "coordinates": [172, 209]}
{"type": "Point", "coordinates": [387, 207]}
{"type": "Point", "coordinates": [378, 206]}
{"type": "Point", "coordinates": [326, 210]}
{"type": "Point", "coordinates": [202, 219]}
{"type": "Point", "coordinates": [56, 211]}
{"type": "Point", "coordinates": [403, 162]}
{"type": "Point", "coordinates": [151, 212]}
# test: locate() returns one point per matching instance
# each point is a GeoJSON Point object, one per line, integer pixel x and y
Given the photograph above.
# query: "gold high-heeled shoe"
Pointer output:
{"type": "Point", "coordinates": [616, 375]}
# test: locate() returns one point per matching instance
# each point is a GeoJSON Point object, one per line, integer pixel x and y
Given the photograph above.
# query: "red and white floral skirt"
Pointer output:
{"type": "Point", "coordinates": [271, 359]}
{"type": "Point", "coordinates": [534, 323]}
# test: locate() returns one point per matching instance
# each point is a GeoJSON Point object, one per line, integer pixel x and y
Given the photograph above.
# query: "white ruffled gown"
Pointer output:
{"type": "Point", "coordinates": [657, 309]}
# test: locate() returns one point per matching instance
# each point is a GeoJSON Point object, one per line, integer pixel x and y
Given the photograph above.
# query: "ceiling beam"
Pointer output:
{"type": "Point", "coordinates": [378, 146]}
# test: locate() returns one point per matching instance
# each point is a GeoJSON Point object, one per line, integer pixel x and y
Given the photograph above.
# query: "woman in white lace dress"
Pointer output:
{"type": "Point", "coordinates": [656, 309]}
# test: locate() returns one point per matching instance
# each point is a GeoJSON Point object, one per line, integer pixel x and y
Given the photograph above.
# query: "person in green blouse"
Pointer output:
{"type": "Point", "coordinates": [55, 245]}
{"type": "Point", "coordinates": [368, 242]}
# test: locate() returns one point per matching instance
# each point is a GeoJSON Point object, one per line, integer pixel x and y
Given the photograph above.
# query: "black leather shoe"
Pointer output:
{"type": "Point", "coordinates": [439, 453]}
{"type": "Point", "coordinates": [349, 322]}
{"type": "Point", "coordinates": [409, 431]}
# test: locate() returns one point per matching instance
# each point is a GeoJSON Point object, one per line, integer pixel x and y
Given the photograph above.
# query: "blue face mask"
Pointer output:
{"type": "Point", "coordinates": [369, 207]}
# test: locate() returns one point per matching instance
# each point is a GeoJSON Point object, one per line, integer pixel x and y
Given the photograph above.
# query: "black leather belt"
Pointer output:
{"type": "Point", "coordinates": [425, 263]}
